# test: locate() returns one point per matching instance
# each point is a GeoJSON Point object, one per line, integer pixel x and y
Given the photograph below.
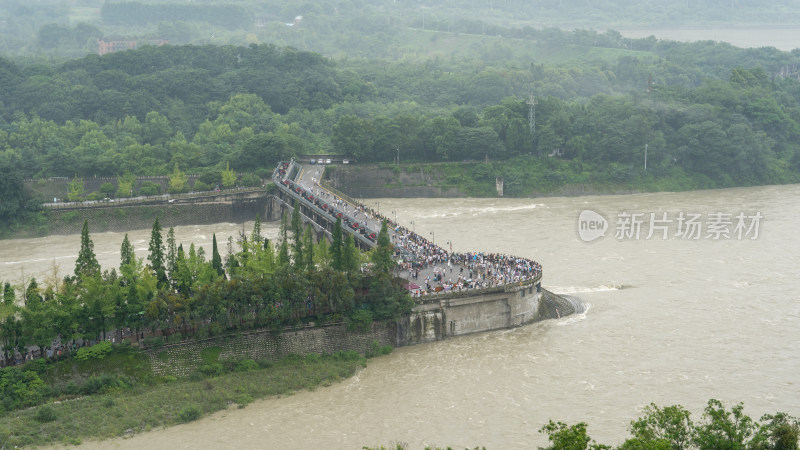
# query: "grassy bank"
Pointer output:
{"type": "Point", "coordinates": [120, 409]}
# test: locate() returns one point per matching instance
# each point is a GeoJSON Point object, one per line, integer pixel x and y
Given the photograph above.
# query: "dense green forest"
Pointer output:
{"type": "Point", "coordinates": [701, 114]}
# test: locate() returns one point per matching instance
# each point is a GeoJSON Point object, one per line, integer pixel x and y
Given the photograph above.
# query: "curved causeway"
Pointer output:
{"type": "Point", "coordinates": [455, 293]}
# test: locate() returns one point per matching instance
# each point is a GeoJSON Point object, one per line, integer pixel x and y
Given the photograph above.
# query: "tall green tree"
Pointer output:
{"type": "Point", "coordinates": [283, 253]}
{"type": "Point", "coordinates": [76, 190]}
{"type": "Point", "coordinates": [322, 252]}
{"type": "Point", "coordinates": [725, 429]}
{"type": "Point", "coordinates": [172, 254]}
{"type": "Point", "coordinates": [382, 255]}
{"type": "Point", "coordinates": [297, 237]}
{"type": "Point", "coordinates": [86, 265]}
{"type": "Point", "coordinates": [156, 256]}
{"type": "Point", "coordinates": [566, 437]}
{"type": "Point", "coordinates": [8, 294]}
{"type": "Point", "coordinates": [216, 259]}
{"type": "Point", "coordinates": [669, 427]}
{"type": "Point", "coordinates": [126, 252]}
{"type": "Point", "coordinates": [255, 235]}
{"type": "Point", "coordinates": [337, 249]}
{"type": "Point", "coordinates": [125, 184]}
{"type": "Point", "coordinates": [308, 245]}
{"type": "Point", "coordinates": [178, 181]}
{"type": "Point", "coordinates": [231, 262]}
{"type": "Point", "coordinates": [283, 249]}
{"type": "Point", "coordinates": [228, 177]}
{"type": "Point", "coordinates": [351, 255]}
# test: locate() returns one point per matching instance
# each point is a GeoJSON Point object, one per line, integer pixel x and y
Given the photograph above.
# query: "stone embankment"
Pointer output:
{"type": "Point", "coordinates": [452, 315]}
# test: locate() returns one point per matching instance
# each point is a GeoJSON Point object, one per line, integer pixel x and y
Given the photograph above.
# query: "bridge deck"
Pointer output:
{"type": "Point", "coordinates": [422, 263]}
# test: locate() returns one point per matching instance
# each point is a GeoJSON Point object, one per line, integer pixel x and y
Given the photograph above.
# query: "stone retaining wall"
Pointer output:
{"type": "Point", "coordinates": [135, 217]}
{"type": "Point", "coordinates": [125, 218]}
{"type": "Point", "coordinates": [184, 358]}
{"type": "Point", "coordinates": [385, 183]}
{"type": "Point", "coordinates": [430, 322]}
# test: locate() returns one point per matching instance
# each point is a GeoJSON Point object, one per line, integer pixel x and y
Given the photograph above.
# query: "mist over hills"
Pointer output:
{"type": "Point", "coordinates": [384, 29]}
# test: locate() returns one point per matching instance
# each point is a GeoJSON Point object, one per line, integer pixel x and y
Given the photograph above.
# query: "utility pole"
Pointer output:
{"type": "Point", "coordinates": [649, 91]}
{"type": "Point", "coordinates": [532, 120]}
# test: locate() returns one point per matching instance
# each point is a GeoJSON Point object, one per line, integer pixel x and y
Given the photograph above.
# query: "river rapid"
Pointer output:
{"type": "Point", "coordinates": [670, 321]}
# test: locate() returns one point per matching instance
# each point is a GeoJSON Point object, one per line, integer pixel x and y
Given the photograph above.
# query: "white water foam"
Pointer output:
{"type": "Point", "coordinates": [568, 290]}
{"type": "Point", "coordinates": [573, 318]}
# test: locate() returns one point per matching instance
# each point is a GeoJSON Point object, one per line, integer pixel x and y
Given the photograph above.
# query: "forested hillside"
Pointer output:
{"type": "Point", "coordinates": [391, 80]}
{"type": "Point", "coordinates": [145, 112]}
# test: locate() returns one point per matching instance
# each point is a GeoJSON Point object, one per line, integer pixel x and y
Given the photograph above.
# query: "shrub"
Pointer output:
{"type": "Point", "coordinates": [359, 321]}
{"type": "Point", "coordinates": [45, 414]}
{"type": "Point", "coordinates": [265, 363]}
{"type": "Point", "coordinates": [105, 383]}
{"type": "Point", "coordinates": [376, 349]}
{"type": "Point", "coordinates": [71, 388]}
{"type": "Point", "coordinates": [212, 369]}
{"type": "Point", "coordinates": [210, 177]}
{"type": "Point", "coordinates": [346, 355]}
{"type": "Point", "coordinates": [199, 186]}
{"type": "Point", "coordinates": [250, 179]}
{"type": "Point", "coordinates": [97, 351]}
{"type": "Point", "coordinates": [243, 399]}
{"type": "Point", "coordinates": [154, 342]}
{"type": "Point", "coordinates": [108, 189]}
{"type": "Point", "coordinates": [149, 188]}
{"type": "Point", "coordinates": [264, 173]}
{"type": "Point", "coordinates": [38, 366]}
{"type": "Point", "coordinates": [21, 388]}
{"type": "Point", "coordinates": [246, 365]}
{"type": "Point", "coordinates": [189, 414]}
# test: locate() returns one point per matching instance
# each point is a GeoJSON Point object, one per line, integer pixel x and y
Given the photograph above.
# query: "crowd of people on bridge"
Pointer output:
{"type": "Point", "coordinates": [453, 271]}
{"type": "Point", "coordinates": [449, 271]}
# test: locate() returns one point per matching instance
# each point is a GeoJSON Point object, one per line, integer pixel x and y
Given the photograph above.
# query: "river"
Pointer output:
{"type": "Point", "coordinates": [671, 321]}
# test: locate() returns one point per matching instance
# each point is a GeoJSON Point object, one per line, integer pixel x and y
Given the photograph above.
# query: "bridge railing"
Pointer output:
{"type": "Point", "coordinates": [321, 212]}
{"type": "Point", "coordinates": [326, 184]}
{"type": "Point", "coordinates": [317, 226]}
{"type": "Point", "coordinates": [437, 296]}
